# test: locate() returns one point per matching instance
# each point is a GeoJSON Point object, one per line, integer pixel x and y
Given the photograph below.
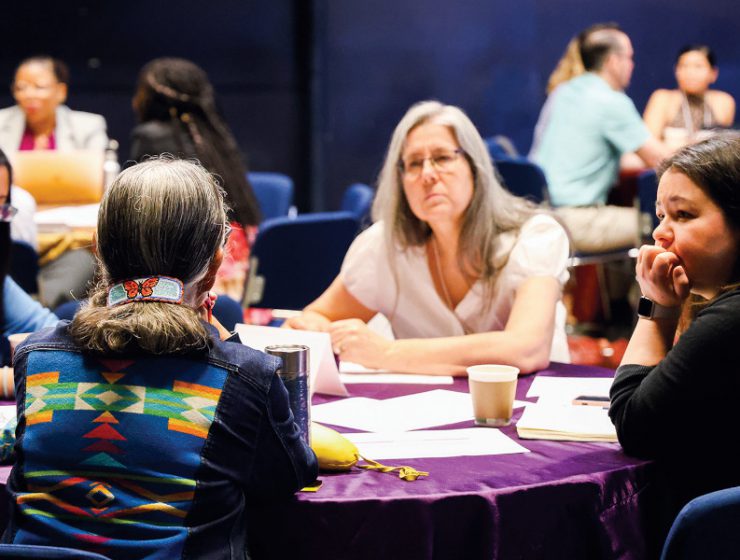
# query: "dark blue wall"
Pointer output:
{"type": "Point", "coordinates": [313, 88]}
{"type": "Point", "coordinates": [492, 58]}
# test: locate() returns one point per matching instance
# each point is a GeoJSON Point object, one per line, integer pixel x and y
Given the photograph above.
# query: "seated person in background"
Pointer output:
{"type": "Point", "coordinates": [23, 227]}
{"type": "Point", "coordinates": [584, 126]}
{"type": "Point", "coordinates": [569, 66]}
{"type": "Point", "coordinates": [466, 272]}
{"type": "Point", "coordinates": [176, 107]}
{"type": "Point", "coordinates": [40, 120]}
{"type": "Point", "coordinates": [21, 314]}
{"type": "Point", "coordinates": [684, 115]}
{"type": "Point", "coordinates": [675, 399]}
{"type": "Point", "coordinates": [201, 426]}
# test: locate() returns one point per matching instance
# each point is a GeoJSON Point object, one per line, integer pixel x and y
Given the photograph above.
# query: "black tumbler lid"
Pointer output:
{"type": "Point", "coordinates": [294, 356]}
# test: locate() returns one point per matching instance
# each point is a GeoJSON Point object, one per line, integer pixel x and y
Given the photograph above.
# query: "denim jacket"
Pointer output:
{"type": "Point", "coordinates": [149, 457]}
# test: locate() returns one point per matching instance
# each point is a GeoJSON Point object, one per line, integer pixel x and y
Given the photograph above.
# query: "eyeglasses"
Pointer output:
{"type": "Point", "coordinates": [23, 88]}
{"type": "Point", "coordinates": [442, 162]}
{"type": "Point", "coordinates": [7, 212]}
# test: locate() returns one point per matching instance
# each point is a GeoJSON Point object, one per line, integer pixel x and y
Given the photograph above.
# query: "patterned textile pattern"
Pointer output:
{"type": "Point", "coordinates": [111, 428]}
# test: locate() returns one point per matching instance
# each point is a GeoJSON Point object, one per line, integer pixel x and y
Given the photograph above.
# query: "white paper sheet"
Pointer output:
{"type": "Point", "coordinates": [355, 373]}
{"type": "Point", "coordinates": [7, 413]}
{"type": "Point", "coordinates": [412, 412]}
{"type": "Point", "coordinates": [567, 422]}
{"type": "Point", "coordinates": [435, 443]}
{"type": "Point", "coordinates": [85, 215]}
{"type": "Point", "coordinates": [562, 390]}
{"type": "Point", "coordinates": [324, 374]}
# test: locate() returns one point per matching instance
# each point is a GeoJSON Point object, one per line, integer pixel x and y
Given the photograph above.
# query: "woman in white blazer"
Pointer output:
{"type": "Point", "coordinates": [40, 120]}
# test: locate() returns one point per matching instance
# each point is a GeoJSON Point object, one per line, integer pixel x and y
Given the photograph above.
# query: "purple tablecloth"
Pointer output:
{"type": "Point", "coordinates": [562, 500]}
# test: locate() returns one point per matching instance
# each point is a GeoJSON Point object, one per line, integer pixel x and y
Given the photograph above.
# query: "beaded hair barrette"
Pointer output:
{"type": "Point", "coordinates": [152, 288]}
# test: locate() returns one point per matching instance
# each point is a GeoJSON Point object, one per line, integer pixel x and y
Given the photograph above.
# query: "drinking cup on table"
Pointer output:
{"type": "Point", "coordinates": [493, 388]}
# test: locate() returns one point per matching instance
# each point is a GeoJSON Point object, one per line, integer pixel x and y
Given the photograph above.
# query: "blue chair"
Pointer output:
{"type": "Point", "coordinates": [24, 266]}
{"type": "Point", "coordinates": [293, 260]}
{"type": "Point", "coordinates": [706, 528]}
{"type": "Point", "coordinates": [647, 192]}
{"type": "Point", "coordinates": [67, 309]}
{"type": "Point", "coordinates": [50, 552]}
{"type": "Point", "coordinates": [228, 311]}
{"type": "Point", "coordinates": [358, 199]}
{"type": "Point", "coordinates": [523, 178]}
{"type": "Point", "coordinates": [500, 147]}
{"type": "Point", "coordinates": [274, 192]}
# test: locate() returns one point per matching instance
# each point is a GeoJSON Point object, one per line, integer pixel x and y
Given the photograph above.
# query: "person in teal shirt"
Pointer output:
{"type": "Point", "coordinates": [585, 126]}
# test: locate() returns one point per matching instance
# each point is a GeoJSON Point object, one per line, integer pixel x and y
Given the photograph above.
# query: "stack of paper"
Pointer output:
{"type": "Point", "coordinates": [566, 422]}
{"type": "Point", "coordinates": [555, 417]}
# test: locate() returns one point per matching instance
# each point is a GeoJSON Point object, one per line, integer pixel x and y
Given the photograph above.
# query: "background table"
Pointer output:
{"type": "Point", "coordinates": [561, 500]}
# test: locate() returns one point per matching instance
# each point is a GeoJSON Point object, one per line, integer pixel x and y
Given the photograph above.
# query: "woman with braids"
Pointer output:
{"type": "Point", "coordinates": [141, 433]}
{"type": "Point", "coordinates": [176, 107]}
{"type": "Point", "coordinates": [20, 313]}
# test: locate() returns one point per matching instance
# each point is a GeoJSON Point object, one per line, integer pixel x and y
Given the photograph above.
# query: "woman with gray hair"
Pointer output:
{"type": "Point", "coordinates": [466, 272]}
{"type": "Point", "coordinates": [140, 432]}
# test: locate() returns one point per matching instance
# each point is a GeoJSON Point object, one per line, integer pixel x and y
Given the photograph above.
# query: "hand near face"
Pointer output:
{"type": "Point", "coordinates": [661, 276]}
{"type": "Point", "coordinates": [354, 342]}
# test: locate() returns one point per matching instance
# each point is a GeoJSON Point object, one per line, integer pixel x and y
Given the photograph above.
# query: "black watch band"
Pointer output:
{"type": "Point", "coordinates": [648, 309]}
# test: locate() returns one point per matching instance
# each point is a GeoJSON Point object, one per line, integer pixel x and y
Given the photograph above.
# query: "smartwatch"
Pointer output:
{"type": "Point", "coordinates": [648, 309]}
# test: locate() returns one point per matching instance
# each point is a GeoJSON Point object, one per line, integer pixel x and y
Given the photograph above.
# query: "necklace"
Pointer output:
{"type": "Point", "coordinates": [445, 291]}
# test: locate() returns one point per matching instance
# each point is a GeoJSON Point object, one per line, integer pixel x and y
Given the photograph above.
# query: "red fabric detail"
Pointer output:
{"type": "Point", "coordinates": [28, 142]}
{"type": "Point", "coordinates": [105, 431]}
{"type": "Point", "coordinates": [105, 446]}
{"type": "Point", "coordinates": [116, 365]}
{"type": "Point", "coordinates": [93, 539]}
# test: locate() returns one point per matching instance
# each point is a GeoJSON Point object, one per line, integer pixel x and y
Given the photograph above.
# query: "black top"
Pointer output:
{"type": "Point", "coordinates": [153, 138]}
{"type": "Point", "coordinates": [684, 411]}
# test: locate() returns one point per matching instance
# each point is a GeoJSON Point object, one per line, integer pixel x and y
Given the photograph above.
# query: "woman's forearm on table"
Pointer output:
{"type": "Point", "coordinates": [453, 355]}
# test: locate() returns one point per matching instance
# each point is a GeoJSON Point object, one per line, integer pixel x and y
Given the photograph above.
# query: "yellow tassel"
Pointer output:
{"type": "Point", "coordinates": [404, 472]}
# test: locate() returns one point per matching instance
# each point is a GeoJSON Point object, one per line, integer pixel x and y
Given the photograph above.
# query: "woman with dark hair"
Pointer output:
{"type": "Point", "coordinates": [684, 115]}
{"type": "Point", "coordinates": [40, 120]}
{"type": "Point", "coordinates": [674, 397]}
{"type": "Point", "coordinates": [20, 313]}
{"type": "Point", "coordinates": [176, 106]}
{"type": "Point", "coordinates": [140, 433]}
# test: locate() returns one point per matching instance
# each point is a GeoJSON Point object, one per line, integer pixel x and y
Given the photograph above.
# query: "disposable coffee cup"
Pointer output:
{"type": "Point", "coordinates": [492, 388]}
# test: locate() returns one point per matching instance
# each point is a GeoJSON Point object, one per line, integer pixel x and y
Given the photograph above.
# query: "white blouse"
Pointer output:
{"type": "Point", "coordinates": [399, 284]}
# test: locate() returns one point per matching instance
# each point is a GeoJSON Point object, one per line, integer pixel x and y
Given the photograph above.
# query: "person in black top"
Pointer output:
{"type": "Point", "coordinates": [674, 397]}
{"type": "Point", "coordinates": [175, 104]}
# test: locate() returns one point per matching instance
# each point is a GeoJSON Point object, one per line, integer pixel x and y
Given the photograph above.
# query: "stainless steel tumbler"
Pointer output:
{"type": "Point", "coordinates": [295, 374]}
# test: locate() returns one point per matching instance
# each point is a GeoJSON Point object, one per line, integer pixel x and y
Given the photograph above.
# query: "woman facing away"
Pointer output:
{"type": "Point", "coordinates": [140, 433]}
{"type": "Point", "coordinates": [175, 104]}
{"type": "Point", "coordinates": [466, 272]}
{"type": "Point", "coordinates": [684, 115]}
{"type": "Point", "coordinates": [40, 120]}
{"type": "Point", "coordinates": [674, 398]}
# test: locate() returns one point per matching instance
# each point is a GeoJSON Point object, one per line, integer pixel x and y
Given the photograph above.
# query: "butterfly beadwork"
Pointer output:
{"type": "Point", "coordinates": [145, 288]}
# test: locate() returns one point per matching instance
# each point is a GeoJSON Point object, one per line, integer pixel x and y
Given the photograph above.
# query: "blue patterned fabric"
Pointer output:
{"type": "Point", "coordinates": [150, 457]}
